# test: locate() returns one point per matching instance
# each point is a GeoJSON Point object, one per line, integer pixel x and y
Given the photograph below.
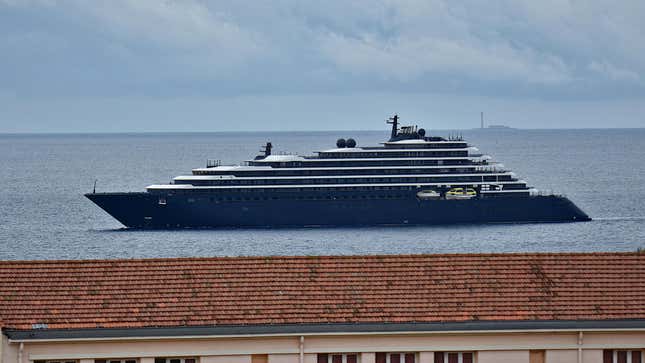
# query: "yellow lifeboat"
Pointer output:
{"type": "Point", "coordinates": [461, 193]}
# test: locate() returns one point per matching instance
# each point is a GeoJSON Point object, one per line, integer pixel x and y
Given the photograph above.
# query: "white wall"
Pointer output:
{"type": "Point", "coordinates": [284, 358]}
{"type": "Point", "coordinates": [496, 356]}
{"type": "Point", "coordinates": [592, 355]}
{"type": "Point", "coordinates": [426, 357]}
{"type": "Point", "coordinates": [368, 358]}
{"type": "Point", "coordinates": [8, 352]}
{"type": "Point", "coordinates": [561, 356]}
{"type": "Point", "coordinates": [226, 359]}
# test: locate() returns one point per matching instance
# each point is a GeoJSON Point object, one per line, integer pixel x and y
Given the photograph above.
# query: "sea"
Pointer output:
{"type": "Point", "coordinates": [44, 215]}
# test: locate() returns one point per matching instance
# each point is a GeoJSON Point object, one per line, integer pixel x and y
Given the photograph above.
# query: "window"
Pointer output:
{"type": "Point", "coordinates": [338, 358]}
{"type": "Point", "coordinates": [395, 358]}
{"type": "Point", "coordinates": [622, 356]}
{"type": "Point", "coordinates": [117, 360]}
{"type": "Point", "coordinates": [175, 360]}
{"type": "Point", "coordinates": [453, 357]}
{"type": "Point", "coordinates": [536, 356]}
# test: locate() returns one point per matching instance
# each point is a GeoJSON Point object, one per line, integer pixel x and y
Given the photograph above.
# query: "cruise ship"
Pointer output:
{"type": "Point", "coordinates": [411, 179]}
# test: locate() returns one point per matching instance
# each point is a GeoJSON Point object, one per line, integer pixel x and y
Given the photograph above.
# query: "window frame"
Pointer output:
{"type": "Point", "coordinates": [119, 360]}
{"type": "Point", "coordinates": [402, 356]}
{"type": "Point", "coordinates": [460, 356]}
{"type": "Point", "coordinates": [182, 359]}
{"type": "Point", "coordinates": [629, 352]}
{"type": "Point", "coordinates": [343, 357]}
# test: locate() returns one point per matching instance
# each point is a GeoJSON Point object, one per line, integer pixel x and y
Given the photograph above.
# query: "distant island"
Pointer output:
{"type": "Point", "coordinates": [491, 126]}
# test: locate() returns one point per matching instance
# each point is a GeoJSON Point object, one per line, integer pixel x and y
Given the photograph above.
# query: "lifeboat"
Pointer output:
{"type": "Point", "coordinates": [428, 195]}
{"type": "Point", "coordinates": [461, 193]}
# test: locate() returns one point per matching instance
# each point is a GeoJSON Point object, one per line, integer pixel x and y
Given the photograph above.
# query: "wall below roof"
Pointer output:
{"type": "Point", "coordinates": [560, 347]}
{"type": "Point", "coordinates": [8, 352]}
{"type": "Point", "coordinates": [226, 359]}
{"type": "Point", "coordinates": [563, 356]}
{"type": "Point", "coordinates": [497, 356]}
{"type": "Point", "coordinates": [592, 356]}
{"type": "Point", "coordinates": [288, 358]}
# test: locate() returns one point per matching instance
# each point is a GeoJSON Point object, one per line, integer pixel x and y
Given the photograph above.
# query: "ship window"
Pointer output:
{"type": "Point", "coordinates": [162, 201]}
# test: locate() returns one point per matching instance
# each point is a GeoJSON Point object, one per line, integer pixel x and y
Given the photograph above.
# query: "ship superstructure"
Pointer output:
{"type": "Point", "coordinates": [410, 160]}
{"type": "Point", "coordinates": [412, 178]}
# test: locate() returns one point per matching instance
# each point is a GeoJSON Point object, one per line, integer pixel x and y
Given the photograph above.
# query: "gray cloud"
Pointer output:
{"type": "Point", "coordinates": [558, 50]}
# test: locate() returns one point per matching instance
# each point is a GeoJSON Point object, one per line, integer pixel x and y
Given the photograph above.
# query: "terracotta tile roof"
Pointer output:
{"type": "Point", "coordinates": [263, 290]}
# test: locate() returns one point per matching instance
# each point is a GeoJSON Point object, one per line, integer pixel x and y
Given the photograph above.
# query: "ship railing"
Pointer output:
{"type": "Point", "coordinates": [547, 193]}
{"type": "Point", "coordinates": [211, 163]}
{"type": "Point", "coordinates": [455, 137]}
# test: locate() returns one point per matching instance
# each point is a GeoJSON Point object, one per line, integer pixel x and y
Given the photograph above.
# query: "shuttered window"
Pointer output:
{"type": "Point", "coordinates": [338, 358]}
{"type": "Point", "coordinates": [382, 357]}
{"type": "Point", "coordinates": [175, 360]}
{"type": "Point", "coordinates": [622, 356]}
{"type": "Point", "coordinates": [536, 356]}
{"type": "Point", "coordinates": [453, 357]}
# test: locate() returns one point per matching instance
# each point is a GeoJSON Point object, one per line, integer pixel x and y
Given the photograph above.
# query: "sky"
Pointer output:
{"type": "Point", "coordinates": [238, 65]}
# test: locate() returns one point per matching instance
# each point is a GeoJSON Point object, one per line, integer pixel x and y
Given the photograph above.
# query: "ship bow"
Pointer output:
{"type": "Point", "coordinates": [130, 209]}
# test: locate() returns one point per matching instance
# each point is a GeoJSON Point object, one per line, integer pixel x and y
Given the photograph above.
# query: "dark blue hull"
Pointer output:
{"type": "Point", "coordinates": [148, 210]}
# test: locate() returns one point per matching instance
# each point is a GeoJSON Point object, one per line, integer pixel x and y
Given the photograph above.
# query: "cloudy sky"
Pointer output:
{"type": "Point", "coordinates": [144, 65]}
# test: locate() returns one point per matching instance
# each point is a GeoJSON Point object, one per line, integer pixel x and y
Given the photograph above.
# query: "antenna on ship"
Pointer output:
{"type": "Point", "coordinates": [482, 119]}
{"type": "Point", "coordinates": [394, 120]}
{"type": "Point", "coordinates": [94, 190]}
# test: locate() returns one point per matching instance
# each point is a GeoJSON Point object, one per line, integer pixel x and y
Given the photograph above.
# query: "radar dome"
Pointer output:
{"type": "Point", "coordinates": [422, 132]}
{"type": "Point", "coordinates": [340, 143]}
{"type": "Point", "coordinates": [351, 143]}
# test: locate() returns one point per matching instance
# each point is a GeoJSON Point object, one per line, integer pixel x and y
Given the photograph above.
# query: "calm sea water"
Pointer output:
{"type": "Point", "coordinates": [43, 214]}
